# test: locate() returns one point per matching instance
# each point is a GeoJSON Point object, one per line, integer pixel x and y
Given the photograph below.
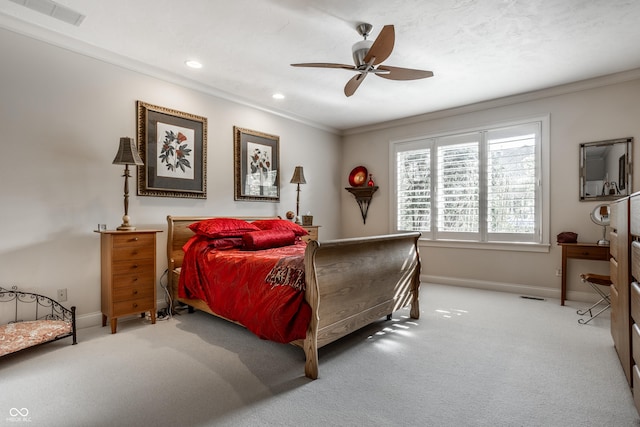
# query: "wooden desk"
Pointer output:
{"type": "Point", "coordinates": [580, 251]}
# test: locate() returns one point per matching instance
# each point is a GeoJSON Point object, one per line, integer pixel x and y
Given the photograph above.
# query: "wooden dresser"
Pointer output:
{"type": "Point", "coordinates": [625, 288]}
{"type": "Point", "coordinates": [634, 320]}
{"type": "Point", "coordinates": [128, 274]}
{"type": "Point", "coordinates": [313, 232]}
{"type": "Point", "coordinates": [620, 286]}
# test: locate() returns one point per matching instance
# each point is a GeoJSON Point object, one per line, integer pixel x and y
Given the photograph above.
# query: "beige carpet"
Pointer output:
{"type": "Point", "coordinates": [475, 358]}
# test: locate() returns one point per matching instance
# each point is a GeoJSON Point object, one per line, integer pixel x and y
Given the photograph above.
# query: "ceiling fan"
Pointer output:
{"type": "Point", "coordinates": [367, 56]}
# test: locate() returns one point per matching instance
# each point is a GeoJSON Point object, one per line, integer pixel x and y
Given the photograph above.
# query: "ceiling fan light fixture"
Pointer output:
{"type": "Point", "coordinates": [359, 50]}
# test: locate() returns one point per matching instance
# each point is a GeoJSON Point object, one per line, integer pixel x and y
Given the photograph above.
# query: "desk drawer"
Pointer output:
{"type": "Point", "coordinates": [587, 252]}
{"type": "Point", "coordinates": [635, 302]}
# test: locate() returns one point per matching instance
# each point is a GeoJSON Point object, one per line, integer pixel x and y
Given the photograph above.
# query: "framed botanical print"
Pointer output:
{"type": "Point", "coordinates": [256, 165]}
{"type": "Point", "coordinates": [173, 146]}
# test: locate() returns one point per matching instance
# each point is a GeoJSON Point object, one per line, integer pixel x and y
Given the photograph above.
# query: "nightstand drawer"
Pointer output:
{"type": "Point", "coordinates": [139, 279]}
{"type": "Point", "coordinates": [132, 292]}
{"type": "Point", "coordinates": [140, 267]}
{"type": "Point", "coordinates": [139, 240]}
{"type": "Point", "coordinates": [313, 232]}
{"type": "Point", "coordinates": [132, 306]}
{"type": "Point", "coordinates": [586, 252]}
{"type": "Point", "coordinates": [133, 252]}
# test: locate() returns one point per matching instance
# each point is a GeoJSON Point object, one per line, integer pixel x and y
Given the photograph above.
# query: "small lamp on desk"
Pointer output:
{"type": "Point", "coordinates": [298, 178]}
{"type": "Point", "coordinates": [127, 155]}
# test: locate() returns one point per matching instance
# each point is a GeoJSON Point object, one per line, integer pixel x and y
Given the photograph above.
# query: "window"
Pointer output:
{"type": "Point", "coordinates": [483, 185]}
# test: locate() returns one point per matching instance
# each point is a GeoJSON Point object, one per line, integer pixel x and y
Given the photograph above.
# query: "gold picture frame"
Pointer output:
{"type": "Point", "coordinates": [256, 165]}
{"type": "Point", "coordinates": [173, 146]}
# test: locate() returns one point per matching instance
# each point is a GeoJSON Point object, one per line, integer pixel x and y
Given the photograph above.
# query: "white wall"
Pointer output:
{"type": "Point", "coordinates": [61, 117]}
{"type": "Point", "coordinates": [588, 114]}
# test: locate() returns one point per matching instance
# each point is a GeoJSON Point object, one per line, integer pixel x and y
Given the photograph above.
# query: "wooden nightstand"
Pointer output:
{"type": "Point", "coordinates": [128, 274]}
{"type": "Point", "coordinates": [313, 232]}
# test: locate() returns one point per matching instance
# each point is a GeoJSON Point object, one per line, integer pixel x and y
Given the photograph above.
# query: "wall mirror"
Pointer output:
{"type": "Point", "coordinates": [605, 169]}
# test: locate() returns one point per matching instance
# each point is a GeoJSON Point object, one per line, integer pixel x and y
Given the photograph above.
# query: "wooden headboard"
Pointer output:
{"type": "Point", "coordinates": [179, 233]}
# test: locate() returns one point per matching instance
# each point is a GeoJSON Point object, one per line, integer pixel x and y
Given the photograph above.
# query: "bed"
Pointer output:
{"type": "Point", "coordinates": [348, 283]}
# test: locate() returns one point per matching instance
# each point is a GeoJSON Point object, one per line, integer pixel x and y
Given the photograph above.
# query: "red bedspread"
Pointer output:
{"type": "Point", "coordinates": [262, 290]}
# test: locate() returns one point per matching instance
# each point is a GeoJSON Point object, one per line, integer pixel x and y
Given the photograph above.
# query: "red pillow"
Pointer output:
{"type": "Point", "coordinates": [267, 239]}
{"type": "Point", "coordinates": [220, 243]}
{"type": "Point", "coordinates": [222, 227]}
{"type": "Point", "coordinates": [280, 224]}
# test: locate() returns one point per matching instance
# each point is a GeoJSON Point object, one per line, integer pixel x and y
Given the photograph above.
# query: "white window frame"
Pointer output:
{"type": "Point", "coordinates": [542, 204]}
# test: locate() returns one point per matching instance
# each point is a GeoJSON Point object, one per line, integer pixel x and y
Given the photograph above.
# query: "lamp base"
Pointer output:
{"type": "Point", "coordinates": [126, 228]}
{"type": "Point", "coordinates": [125, 224]}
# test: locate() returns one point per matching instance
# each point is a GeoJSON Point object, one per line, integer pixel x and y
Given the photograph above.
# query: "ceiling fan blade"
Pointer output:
{"type": "Point", "coordinates": [353, 84]}
{"type": "Point", "coordinates": [382, 47]}
{"type": "Point", "coordinates": [325, 65]}
{"type": "Point", "coordinates": [398, 73]}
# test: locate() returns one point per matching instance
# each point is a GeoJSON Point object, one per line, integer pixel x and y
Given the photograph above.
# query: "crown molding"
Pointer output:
{"type": "Point", "coordinates": [53, 38]}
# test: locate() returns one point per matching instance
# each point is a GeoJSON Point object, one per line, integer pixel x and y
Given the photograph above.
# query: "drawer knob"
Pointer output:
{"type": "Point", "coordinates": [135, 305]}
{"type": "Point", "coordinates": [134, 266]}
{"type": "Point", "coordinates": [135, 292]}
{"type": "Point", "coordinates": [135, 239]}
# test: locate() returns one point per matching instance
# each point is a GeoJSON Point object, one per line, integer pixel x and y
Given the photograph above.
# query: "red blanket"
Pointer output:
{"type": "Point", "coordinates": [262, 290]}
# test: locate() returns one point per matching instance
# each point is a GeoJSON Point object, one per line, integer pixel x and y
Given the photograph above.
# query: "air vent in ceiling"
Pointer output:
{"type": "Point", "coordinates": [54, 10]}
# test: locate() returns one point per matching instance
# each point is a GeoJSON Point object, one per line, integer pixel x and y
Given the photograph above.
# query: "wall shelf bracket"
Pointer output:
{"type": "Point", "coordinates": [363, 197]}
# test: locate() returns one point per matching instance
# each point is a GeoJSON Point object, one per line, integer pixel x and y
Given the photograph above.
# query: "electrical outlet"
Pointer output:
{"type": "Point", "coordinates": [62, 295]}
{"type": "Point", "coordinates": [558, 272]}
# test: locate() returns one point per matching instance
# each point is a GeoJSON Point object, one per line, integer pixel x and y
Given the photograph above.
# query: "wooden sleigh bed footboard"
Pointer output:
{"type": "Point", "coordinates": [350, 283]}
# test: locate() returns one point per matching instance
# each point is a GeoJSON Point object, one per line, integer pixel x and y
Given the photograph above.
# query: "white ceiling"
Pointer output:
{"type": "Point", "coordinates": [478, 49]}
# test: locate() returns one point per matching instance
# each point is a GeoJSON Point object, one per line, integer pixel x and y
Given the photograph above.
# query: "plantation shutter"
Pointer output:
{"type": "Point", "coordinates": [512, 183]}
{"type": "Point", "coordinates": [413, 181]}
{"type": "Point", "coordinates": [458, 197]}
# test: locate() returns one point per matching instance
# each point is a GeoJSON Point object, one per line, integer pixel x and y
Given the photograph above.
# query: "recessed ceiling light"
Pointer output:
{"type": "Point", "coordinates": [278, 96]}
{"type": "Point", "coordinates": [193, 64]}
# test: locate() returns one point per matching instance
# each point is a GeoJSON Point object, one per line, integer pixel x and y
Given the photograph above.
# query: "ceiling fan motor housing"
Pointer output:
{"type": "Point", "coordinates": [360, 50]}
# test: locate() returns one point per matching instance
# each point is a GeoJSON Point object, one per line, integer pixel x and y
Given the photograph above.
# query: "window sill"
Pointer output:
{"type": "Point", "coordinates": [492, 246]}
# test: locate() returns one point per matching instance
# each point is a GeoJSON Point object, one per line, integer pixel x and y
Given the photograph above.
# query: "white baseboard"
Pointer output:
{"type": "Point", "coordinates": [513, 288]}
{"type": "Point", "coordinates": [95, 319]}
